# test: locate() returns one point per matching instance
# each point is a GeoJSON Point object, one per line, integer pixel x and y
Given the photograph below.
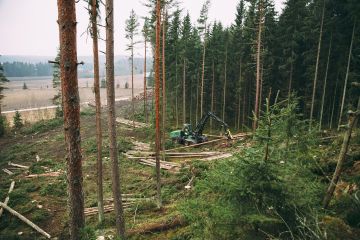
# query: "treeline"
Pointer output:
{"type": "Point", "coordinates": [311, 49]}
{"type": "Point", "coordinates": [23, 69]}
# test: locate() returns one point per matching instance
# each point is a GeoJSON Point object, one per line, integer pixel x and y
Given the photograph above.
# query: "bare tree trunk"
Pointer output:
{"type": "Point", "coordinates": [334, 101]}
{"type": "Point", "coordinates": [163, 83]}
{"type": "Point", "coordinates": [184, 93]}
{"type": "Point", "coordinates": [197, 98]}
{"type": "Point", "coordinates": [240, 90]}
{"type": "Point", "coordinates": [116, 188]}
{"type": "Point", "coordinates": [71, 103]}
{"type": "Point", "coordinates": [132, 84]}
{"type": "Point", "coordinates": [347, 76]}
{"type": "Point", "coordinates": [157, 103]}
{"type": "Point", "coordinates": [225, 83]}
{"type": "Point", "coordinates": [212, 93]}
{"type": "Point", "coordinates": [291, 75]}
{"type": "Point", "coordinates": [145, 91]}
{"type": "Point", "coordinates": [176, 94]}
{"type": "Point", "coordinates": [258, 55]}
{"type": "Point", "coordinates": [317, 66]}
{"type": "Point", "coordinates": [353, 117]}
{"type": "Point", "coordinates": [98, 111]}
{"type": "Point", "coordinates": [325, 85]}
{"type": "Point", "coordinates": [203, 75]}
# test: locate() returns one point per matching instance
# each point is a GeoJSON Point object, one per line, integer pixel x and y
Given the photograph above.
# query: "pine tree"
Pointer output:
{"type": "Point", "coordinates": [93, 8]}
{"type": "Point", "coordinates": [146, 35]}
{"type": "Point", "coordinates": [131, 29]}
{"type": "Point", "coordinates": [202, 21]}
{"type": "Point", "coordinates": [17, 121]}
{"type": "Point", "coordinates": [69, 82]}
{"type": "Point", "coordinates": [116, 187]}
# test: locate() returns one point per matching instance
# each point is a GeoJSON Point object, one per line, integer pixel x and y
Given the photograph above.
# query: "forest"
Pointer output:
{"type": "Point", "coordinates": [246, 131]}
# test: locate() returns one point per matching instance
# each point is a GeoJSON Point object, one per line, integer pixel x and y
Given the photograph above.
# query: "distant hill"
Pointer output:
{"type": "Point", "coordinates": [28, 66]}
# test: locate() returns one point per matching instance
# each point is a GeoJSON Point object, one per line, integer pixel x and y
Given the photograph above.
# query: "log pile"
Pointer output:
{"type": "Point", "coordinates": [149, 94]}
{"type": "Point", "coordinates": [131, 123]}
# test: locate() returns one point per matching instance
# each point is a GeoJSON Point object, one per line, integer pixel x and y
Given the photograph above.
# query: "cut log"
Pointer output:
{"type": "Point", "coordinates": [50, 174]}
{"type": "Point", "coordinates": [7, 171]}
{"type": "Point", "coordinates": [148, 228]}
{"type": "Point", "coordinates": [12, 185]}
{"type": "Point", "coordinates": [25, 220]}
{"type": "Point", "coordinates": [221, 156]}
{"type": "Point", "coordinates": [131, 123]}
{"type": "Point", "coordinates": [18, 165]}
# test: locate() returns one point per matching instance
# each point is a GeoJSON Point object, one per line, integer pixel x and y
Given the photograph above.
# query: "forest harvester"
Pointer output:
{"type": "Point", "coordinates": [188, 136]}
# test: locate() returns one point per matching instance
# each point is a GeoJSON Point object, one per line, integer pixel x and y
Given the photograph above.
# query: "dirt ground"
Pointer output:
{"type": "Point", "coordinates": [40, 91]}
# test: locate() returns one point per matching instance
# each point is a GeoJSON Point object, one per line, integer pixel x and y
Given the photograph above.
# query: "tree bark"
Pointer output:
{"type": "Point", "coordinates": [334, 101]}
{"type": "Point", "coordinates": [184, 92]}
{"type": "Point", "coordinates": [317, 66]}
{"type": "Point", "coordinates": [212, 93]}
{"type": "Point", "coordinates": [347, 76]}
{"type": "Point", "coordinates": [163, 81]}
{"type": "Point", "coordinates": [240, 90]}
{"type": "Point", "coordinates": [157, 103]}
{"type": "Point", "coordinates": [258, 61]}
{"type": "Point", "coordinates": [116, 188]}
{"type": "Point", "coordinates": [98, 111]}
{"type": "Point", "coordinates": [132, 83]}
{"type": "Point", "coordinates": [145, 91]}
{"type": "Point", "coordinates": [71, 103]}
{"type": "Point", "coordinates": [325, 85]}
{"type": "Point", "coordinates": [353, 117]}
{"type": "Point", "coordinates": [176, 94]}
{"type": "Point", "coordinates": [203, 75]}
{"type": "Point", "coordinates": [225, 83]}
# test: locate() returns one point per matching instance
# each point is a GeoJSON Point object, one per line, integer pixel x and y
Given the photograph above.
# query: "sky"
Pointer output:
{"type": "Point", "coordinates": [29, 27]}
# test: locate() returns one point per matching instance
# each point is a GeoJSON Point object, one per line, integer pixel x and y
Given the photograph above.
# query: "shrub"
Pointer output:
{"type": "Point", "coordinates": [2, 126]}
{"type": "Point", "coordinates": [18, 122]}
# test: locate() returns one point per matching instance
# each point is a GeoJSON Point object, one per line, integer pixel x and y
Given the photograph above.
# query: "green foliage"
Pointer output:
{"type": "Point", "coordinates": [17, 120]}
{"type": "Point", "coordinates": [57, 189]}
{"type": "Point", "coordinates": [88, 112]}
{"type": "Point", "coordinates": [87, 233]}
{"type": "Point", "coordinates": [126, 85]}
{"type": "Point", "coordinates": [43, 126]}
{"type": "Point", "coordinates": [2, 126]}
{"type": "Point", "coordinates": [103, 83]}
{"type": "Point", "coordinates": [124, 145]}
{"type": "Point", "coordinates": [235, 198]}
{"type": "Point", "coordinates": [24, 86]}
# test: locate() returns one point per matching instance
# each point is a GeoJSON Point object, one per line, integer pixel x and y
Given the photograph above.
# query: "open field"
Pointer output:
{"type": "Point", "coordinates": [40, 91]}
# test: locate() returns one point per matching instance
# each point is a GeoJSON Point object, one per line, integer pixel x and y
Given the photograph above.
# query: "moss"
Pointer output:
{"type": "Point", "coordinates": [57, 189]}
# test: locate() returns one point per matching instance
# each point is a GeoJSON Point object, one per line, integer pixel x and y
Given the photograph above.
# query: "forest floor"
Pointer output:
{"type": "Point", "coordinates": [43, 199]}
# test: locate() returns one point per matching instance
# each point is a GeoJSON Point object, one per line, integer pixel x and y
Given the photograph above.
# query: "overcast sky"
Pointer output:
{"type": "Point", "coordinates": [28, 27]}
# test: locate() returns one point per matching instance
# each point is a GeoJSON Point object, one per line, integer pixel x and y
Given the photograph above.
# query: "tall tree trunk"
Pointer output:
{"type": "Point", "coordinates": [184, 93]}
{"type": "Point", "coordinates": [197, 98]}
{"type": "Point", "coordinates": [116, 188]}
{"type": "Point", "coordinates": [225, 83]}
{"type": "Point", "coordinates": [132, 84]}
{"type": "Point", "coordinates": [347, 76]}
{"type": "Point", "coordinates": [98, 111]}
{"type": "Point", "coordinates": [291, 74]}
{"type": "Point", "coordinates": [157, 103]}
{"type": "Point", "coordinates": [345, 146]}
{"type": "Point", "coordinates": [71, 103]}
{"type": "Point", "coordinates": [145, 88]}
{"type": "Point", "coordinates": [163, 83]}
{"type": "Point", "coordinates": [334, 101]}
{"type": "Point", "coordinates": [317, 65]}
{"type": "Point", "coordinates": [203, 75]}
{"type": "Point", "coordinates": [176, 94]}
{"type": "Point", "coordinates": [240, 90]}
{"type": "Point", "coordinates": [325, 84]}
{"type": "Point", "coordinates": [258, 61]}
{"type": "Point", "coordinates": [212, 94]}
